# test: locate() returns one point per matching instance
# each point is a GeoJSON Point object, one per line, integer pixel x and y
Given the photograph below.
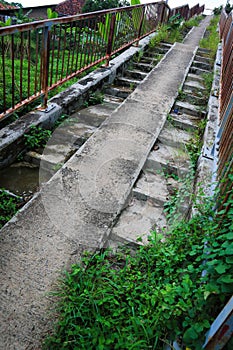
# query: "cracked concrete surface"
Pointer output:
{"type": "Point", "coordinates": [76, 209]}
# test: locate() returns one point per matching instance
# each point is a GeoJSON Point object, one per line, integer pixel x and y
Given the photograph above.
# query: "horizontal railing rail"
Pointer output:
{"type": "Point", "coordinates": [39, 56]}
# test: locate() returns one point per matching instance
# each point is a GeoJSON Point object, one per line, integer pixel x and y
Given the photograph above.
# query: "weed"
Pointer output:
{"type": "Point", "coordinates": [60, 121]}
{"type": "Point", "coordinates": [157, 295]}
{"type": "Point", "coordinates": [9, 205]}
{"type": "Point", "coordinates": [207, 81]}
{"type": "Point", "coordinates": [37, 137]}
{"type": "Point", "coordinates": [96, 98]}
{"type": "Point", "coordinates": [212, 40]}
{"type": "Point", "coordinates": [160, 35]}
{"type": "Point", "coordinates": [192, 22]}
{"type": "Point", "coordinates": [132, 86]}
{"type": "Point", "coordinates": [57, 166]}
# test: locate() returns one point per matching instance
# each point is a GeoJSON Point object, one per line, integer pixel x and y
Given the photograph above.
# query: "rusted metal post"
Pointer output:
{"type": "Point", "coordinates": [141, 24]}
{"type": "Point", "coordinates": [45, 66]}
{"type": "Point", "coordinates": [110, 39]}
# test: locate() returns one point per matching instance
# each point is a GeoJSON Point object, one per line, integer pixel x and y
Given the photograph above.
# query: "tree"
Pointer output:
{"type": "Point", "coordinates": [228, 7]}
{"type": "Point", "coordinates": [97, 5]}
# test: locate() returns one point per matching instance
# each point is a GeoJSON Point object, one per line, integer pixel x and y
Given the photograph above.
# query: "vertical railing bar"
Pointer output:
{"type": "Point", "coordinates": [53, 36]}
{"type": "Point", "coordinates": [63, 53]}
{"type": "Point", "coordinates": [80, 59]}
{"type": "Point", "coordinates": [103, 44]}
{"type": "Point", "coordinates": [3, 75]}
{"type": "Point", "coordinates": [85, 49]}
{"type": "Point", "coordinates": [110, 39]}
{"type": "Point", "coordinates": [73, 51]}
{"type": "Point", "coordinates": [36, 62]}
{"type": "Point", "coordinates": [78, 50]}
{"type": "Point", "coordinates": [68, 60]}
{"type": "Point", "coordinates": [45, 61]}
{"type": "Point", "coordinates": [21, 68]}
{"type": "Point", "coordinates": [13, 71]}
{"type": "Point", "coordinates": [96, 43]}
{"type": "Point", "coordinates": [58, 52]}
{"type": "Point", "coordinates": [141, 23]}
{"type": "Point", "coordinates": [91, 42]}
{"type": "Point", "coordinates": [29, 62]}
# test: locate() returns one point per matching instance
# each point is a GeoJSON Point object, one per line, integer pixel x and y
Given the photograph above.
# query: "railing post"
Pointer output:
{"type": "Point", "coordinates": [110, 39]}
{"type": "Point", "coordinates": [45, 66]}
{"type": "Point", "coordinates": [140, 25]}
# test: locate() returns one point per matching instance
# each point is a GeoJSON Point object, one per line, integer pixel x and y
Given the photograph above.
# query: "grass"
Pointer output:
{"type": "Point", "coordinates": [211, 40]}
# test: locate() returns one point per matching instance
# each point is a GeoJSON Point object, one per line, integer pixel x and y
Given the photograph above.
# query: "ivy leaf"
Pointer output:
{"type": "Point", "coordinates": [190, 333]}
{"type": "Point", "coordinates": [229, 235]}
{"type": "Point", "coordinates": [221, 268]}
{"type": "Point", "coordinates": [225, 279]}
{"type": "Point", "coordinates": [229, 259]}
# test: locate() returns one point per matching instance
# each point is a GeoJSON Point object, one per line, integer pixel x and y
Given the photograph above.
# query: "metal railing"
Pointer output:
{"type": "Point", "coordinates": [37, 57]}
{"type": "Point", "coordinates": [225, 134]}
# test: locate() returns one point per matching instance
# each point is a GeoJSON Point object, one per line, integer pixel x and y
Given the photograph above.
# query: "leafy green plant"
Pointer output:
{"type": "Point", "coordinates": [158, 294]}
{"type": "Point", "coordinates": [9, 205]}
{"type": "Point", "coordinates": [192, 22]}
{"type": "Point", "coordinates": [207, 81]}
{"type": "Point", "coordinates": [96, 98]}
{"type": "Point", "coordinates": [175, 22]}
{"type": "Point", "coordinates": [161, 35]}
{"type": "Point", "coordinates": [51, 14]}
{"type": "Point", "coordinates": [37, 137]}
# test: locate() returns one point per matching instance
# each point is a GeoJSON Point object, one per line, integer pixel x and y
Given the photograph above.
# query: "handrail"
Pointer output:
{"type": "Point", "coordinates": [37, 57]}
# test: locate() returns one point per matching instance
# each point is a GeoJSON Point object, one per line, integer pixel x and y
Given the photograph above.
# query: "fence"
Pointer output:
{"type": "Point", "coordinates": [225, 134]}
{"type": "Point", "coordinates": [37, 57]}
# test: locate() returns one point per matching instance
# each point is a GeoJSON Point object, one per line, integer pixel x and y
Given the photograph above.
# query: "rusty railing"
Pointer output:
{"type": "Point", "coordinates": [37, 57]}
{"type": "Point", "coordinates": [225, 134]}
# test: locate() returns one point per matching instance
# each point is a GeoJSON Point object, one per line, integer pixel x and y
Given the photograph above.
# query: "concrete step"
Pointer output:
{"type": "Point", "coordinates": [196, 99]}
{"type": "Point", "coordinates": [197, 70]}
{"type": "Point", "coordinates": [194, 86]}
{"type": "Point", "coordinates": [174, 137]}
{"type": "Point", "coordinates": [203, 52]}
{"type": "Point", "coordinates": [154, 54]}
{"type": "Point", "coordinates": [137, 221]}
{"type": "Point", "coordinates": [122, 81]}
{"type": "Point", "coordinates": [145, 67]}
{"type": "Point", "coordinates": [202, 59]}
{"type": "Point", "coordinates": [151, 186]}
{"type": "Point", "coordinates": [167, 159]}
{"type": "Point", "coordinates": [118, 91]}
{"type": "Point", "coordinates": [184, 121]}
{"type": "Point", "coordinates": [194, 77]}
{"type": "Point", "coordinates": [202, 65]}
{"type": "Point", "coordinates": [94, 115]}
{"type": "Point", "coordinates": [188, 108]}
{"type": "Point", "coordinates": [113, 99]}
{"type": "Point", "coordinates": [149, 60]}
{"type": "Point", "coordinates": [135, 74]}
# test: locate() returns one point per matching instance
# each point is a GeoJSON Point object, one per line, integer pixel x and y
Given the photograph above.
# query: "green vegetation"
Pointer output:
{"type": "Point", "coordinates": [207, 81]}
{"type": "Point", "coordinates": [174, 30]}
{"type": "Point", "coordinates": [211, 41]}
{"type": "Point", "coordinates": [9, 205]}
{"type": "Point", "coordinates": [158, 294]}
{"type": "Point", "coordinates": [97, 5]}
{"type": "Point", "coordinates": [37, 137]}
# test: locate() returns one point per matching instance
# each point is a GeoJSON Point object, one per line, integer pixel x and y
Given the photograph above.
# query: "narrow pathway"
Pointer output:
{"type": "Point", "coordinates": [77, 208]}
